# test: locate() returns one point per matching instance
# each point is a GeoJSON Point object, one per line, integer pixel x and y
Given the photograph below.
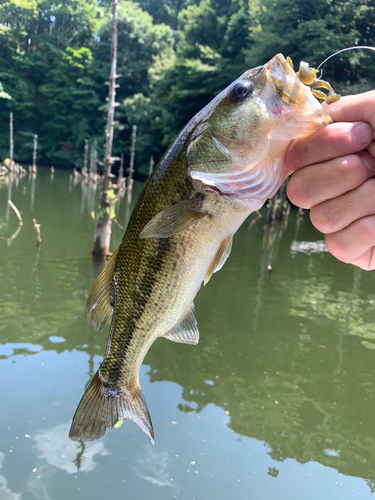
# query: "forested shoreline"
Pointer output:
{"type": "Point", "coordinates": [174, 57]}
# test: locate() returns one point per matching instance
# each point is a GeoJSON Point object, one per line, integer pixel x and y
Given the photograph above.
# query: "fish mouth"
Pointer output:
{"type": "Point", "coordinates": [291, 102]}
{"type": "Point", "coordinates": [288, 86]}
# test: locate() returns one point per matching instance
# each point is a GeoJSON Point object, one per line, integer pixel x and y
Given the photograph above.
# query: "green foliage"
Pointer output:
{"type": "Point", "coordinates": [174, 57]}
{"type": "Point", "coordinates": [3, 95]}
{"type": "Point", "coordinates": [45, 56]}
{"type": "Point", "coordinates": [111, 210]}
{"type": "Point", "coordinates": [312, 30]}
{"type": "Point", "coordinates": [163, 12]}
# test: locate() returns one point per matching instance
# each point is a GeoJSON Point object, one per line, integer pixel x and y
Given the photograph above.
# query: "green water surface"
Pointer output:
{"type": "Point", "coordinates": [275, 402]}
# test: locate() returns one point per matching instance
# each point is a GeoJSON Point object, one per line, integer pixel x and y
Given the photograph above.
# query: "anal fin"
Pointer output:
{"type": "Point", "coordinates": [99, 295]}
{"type": "Point", "coordinates": [174, 219]}
{"type": "Point", "coordinates": [186, 331]}
{"type": "Point", "coordinates": [219, 260]}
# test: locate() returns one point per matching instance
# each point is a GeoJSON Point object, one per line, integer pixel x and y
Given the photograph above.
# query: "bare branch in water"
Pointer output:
{"type": "Point", "coordinates": [37, 229]}
{"type": "Point", "coordinates": [16, 211]}
{"type": "Point", "coordinates": [20, 224]}
{"type": "Point", "coordinates": [118, 224]}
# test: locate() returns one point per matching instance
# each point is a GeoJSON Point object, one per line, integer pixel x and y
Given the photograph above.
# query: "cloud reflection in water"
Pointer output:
{"type": "Point", "coordinates": [152, 466]}
{"type": "Point", "coordinates": [5, 492]}
{"type": "Point", "coordinates": [54, 446]}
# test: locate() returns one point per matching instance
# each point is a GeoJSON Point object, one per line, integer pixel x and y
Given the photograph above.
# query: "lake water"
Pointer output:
{"type": "Point", "coordinates": [276, 400]}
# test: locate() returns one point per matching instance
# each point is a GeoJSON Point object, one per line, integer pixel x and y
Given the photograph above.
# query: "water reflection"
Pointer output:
{"type": "Point", "coordinates": [54, 452]}
{"type": "Point", "coordinates": [287, 354]}
{"type": "Point", "coordinates": [5, 492]}
{"type": "Point", "coordinates": [54, 446]}
{"type": "Point", "coordinates": [270, 243]}
{"type": "Point", "coordinates": [38, 482]}
{"type": "Point", "coordinates": [32, 177]}
{"type": "Point", "coordinates": [285, 380]}
{"type": "Point", "coordinates": [152, 466]}
{"type": "Point", "coordinates": [10, 181]}
{"type": "Point", "coordinates": [346, 330]}
{"type": "Point", "coordinates": [308, 247]}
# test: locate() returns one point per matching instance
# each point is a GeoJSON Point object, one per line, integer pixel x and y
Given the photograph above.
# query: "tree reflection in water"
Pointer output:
{"type": "Point", "coordinates": [288, 355]}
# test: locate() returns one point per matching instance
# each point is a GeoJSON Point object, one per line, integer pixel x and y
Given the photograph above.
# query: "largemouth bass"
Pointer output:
{"type": "Point", "coordinates": [226, 162]}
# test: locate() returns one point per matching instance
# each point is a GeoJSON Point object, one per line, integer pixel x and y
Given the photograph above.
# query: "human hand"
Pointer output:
{"type": "Point", "coordinates": [334, 177]}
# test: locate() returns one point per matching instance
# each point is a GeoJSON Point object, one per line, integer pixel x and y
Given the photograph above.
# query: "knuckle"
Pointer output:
{"type": "Point", "coordinates": [298, 190]}
{"type": "Point", "coordinates": [296, 154]}
{"type": "Point", "coordinates": [338, 137]}
{"type": "Point", "coordinates": [324, 217]}
{"type": "Point", "coordinates": [367, 228]}
{"type": "Point", "coordinates": [365, 198]}
{"type": "Point", "coordinates": [353, 171]}
{"type": "Point", "coordinates": [341, 139]}
{"type": "Point", "coordinates": [336, 246]}
{"type": "Point", "coordinates": [369, 192]}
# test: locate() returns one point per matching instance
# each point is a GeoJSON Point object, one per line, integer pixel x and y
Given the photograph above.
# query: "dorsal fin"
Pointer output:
{"type": "Point", "coordinates": [100, 294]}
{"type": "Point", "coordinates": [174, 219]}
{"type": "Point", "coordinates": [186, 332]}
{"type": "Point", "coordinates": [219, 260]}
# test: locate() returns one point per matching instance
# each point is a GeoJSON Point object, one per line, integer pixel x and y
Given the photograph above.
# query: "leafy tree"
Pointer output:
{"type": "Point", "coordinates": [311, 31]}
{"type": "Point", "coordinates": [174, 57]}
{"type": "Point", "coordinates": [3, 94]}
{"type": "Point", "coordinates": [210, 44]}
{"type": "Point", "coordinates": [43, 60]}
{"type": "Point", "coordinates": [165, 12]}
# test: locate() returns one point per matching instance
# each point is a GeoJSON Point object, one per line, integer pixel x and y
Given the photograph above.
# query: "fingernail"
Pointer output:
{"type": "Point", "coordinates": [368, 160]}
{"type": "Point", "coordinates": [362, 134]}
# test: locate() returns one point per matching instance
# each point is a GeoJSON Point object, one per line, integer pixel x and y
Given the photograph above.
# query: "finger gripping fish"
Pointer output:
{"type": "Point", "coordinates": [226, 162]}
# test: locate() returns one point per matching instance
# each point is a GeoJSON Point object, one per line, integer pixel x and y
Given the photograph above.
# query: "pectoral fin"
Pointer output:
{"type": "Point", "coordinates": [101, 313]}
{"type": "Point", "coordinates": [219, 260]}
{"type": "Point", "coordinates": [99, 295]}
{"type": "Point", "coordinates": [174, 219]}
{"type": "Point", "coordinates": [186, 332]}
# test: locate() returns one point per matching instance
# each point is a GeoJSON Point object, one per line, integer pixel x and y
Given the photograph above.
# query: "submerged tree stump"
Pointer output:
{"type": "Point", "coordinates": [37, 229]}
{"type": "Point", "coordinates": [102, 237]}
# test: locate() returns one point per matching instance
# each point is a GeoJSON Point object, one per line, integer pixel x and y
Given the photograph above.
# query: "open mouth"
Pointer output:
{"type": "Point", "coordinates": [288, 86]}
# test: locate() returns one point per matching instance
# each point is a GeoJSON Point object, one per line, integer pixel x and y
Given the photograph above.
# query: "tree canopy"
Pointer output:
{"type": "Point", "coordinates": [174, 57]}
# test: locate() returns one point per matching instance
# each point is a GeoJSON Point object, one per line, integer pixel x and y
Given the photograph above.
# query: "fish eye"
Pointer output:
{"type": "Point", "coordinates": [240, 91]}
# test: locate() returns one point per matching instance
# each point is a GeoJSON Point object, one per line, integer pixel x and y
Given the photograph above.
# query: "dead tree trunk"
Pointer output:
{"type": "Point", "coordinates": [103, 227]}
{"type": "Point", "coordinates": [131, 165]}
{"type": "Point", "coordinates": [37, 229]}
{"type": "Point", "coordinates": [121, 180]}
{"type": "Point", "coordinates": [151, 165]}
{"type": "Point", "coordinates": [85, 156]}
{"type": "Point", "coordinates": [11, 137]}
{"type": "Point", "coordinates": [35, 148]}
{"type": "Point", "coordinates": [95, 158]}
{"type": "Point", "coordinates": [93, 162]}
{"type": "Point", "coordinates": [121, 170]}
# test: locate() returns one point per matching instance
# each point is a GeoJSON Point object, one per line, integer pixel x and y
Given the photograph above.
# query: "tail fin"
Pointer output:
{"type": "Point", "coordinates": [98, 412]}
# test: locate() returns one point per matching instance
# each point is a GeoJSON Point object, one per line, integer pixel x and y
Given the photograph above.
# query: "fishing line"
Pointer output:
{"type": "Point", "coordinates": [339, 52]}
